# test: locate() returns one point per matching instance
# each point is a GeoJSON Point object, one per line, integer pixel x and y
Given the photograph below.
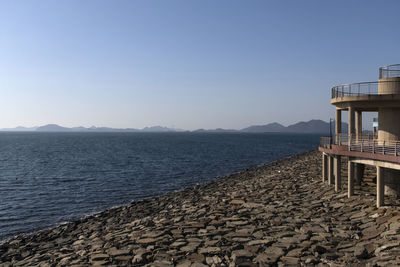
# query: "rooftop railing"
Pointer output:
{"type": "Point", "coordinates": [358, 89]}
{"type": "Point", "coordinates": [390, 71]}
{"type": "Point", "coordinates": [355, 89]}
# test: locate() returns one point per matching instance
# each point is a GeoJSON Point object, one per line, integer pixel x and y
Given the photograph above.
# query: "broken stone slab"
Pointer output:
{"type": "Point", "coordinates": [264, 242]}
{"type": "Point", "coordinates": [191, 247]}
{"type": "Point", "coordinates": [198, 264]}
{"type": "Point", "coordinates": [237, 202]}
{"type": "Point", "coordinates": [99, 257]}
{"type": "Point", "coordinates": [209, 250]}
{"type": "Point", "coordinates": [387, 246]}
{"type": "Point", "coordinates": [360, 252]}
{"type": "Point", "coordinates": [146, 241]}
{"type": "Point", "coordinates": [270, 255]}
{"type": "Point", "coordinates": [195, 257]}
{"type": "Point", "coordinates": [287, 260]}
{"type": "Point", "coordinates": [178, 244]}
{"type": "Point", "coordinates": [114, 252]}
{"type": "Point", "coordinates": [240, 254]}
{"type": "Point", "coordinates": [184, 263]}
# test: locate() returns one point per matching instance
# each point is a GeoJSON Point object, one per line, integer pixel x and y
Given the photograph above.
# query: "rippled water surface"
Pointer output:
{"type": "Point", "coordinates": [48, 178]}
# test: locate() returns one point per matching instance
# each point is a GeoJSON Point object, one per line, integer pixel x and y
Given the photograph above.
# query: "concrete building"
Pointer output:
{"type": "Point", "coordinates": [381, 151]}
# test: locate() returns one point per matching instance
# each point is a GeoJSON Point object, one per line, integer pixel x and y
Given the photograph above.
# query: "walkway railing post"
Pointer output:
{"type": "Point", "coordinates": [373, 146]}
{"type": "Point", "coordinates": [383, 148]}
{"type": "Point", "coordinates": [349, 144]}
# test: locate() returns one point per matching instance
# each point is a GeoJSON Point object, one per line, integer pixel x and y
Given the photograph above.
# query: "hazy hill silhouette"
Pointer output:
{"type": "Point", "coordinates": [312, 126]}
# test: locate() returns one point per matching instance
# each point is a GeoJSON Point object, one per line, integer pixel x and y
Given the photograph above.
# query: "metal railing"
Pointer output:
{"type": "Point", "coordinates": [358, 89]}
{"type": "Point", "coordinates": [390, 71]}
{"type": "Point", "coordinates": [364, 143]}
{"type": "Point", "coordinates": [325, 141]}
{"type": "Point", "coordinates": [342, 139]}
{"type": "Point", "coordinates": [376, 147]}
{"type": "Point", "coordinates": [355, 89]}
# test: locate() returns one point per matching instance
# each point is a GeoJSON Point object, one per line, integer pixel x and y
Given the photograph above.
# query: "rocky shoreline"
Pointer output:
{"type": "Point", "coordinates": [273, 215]}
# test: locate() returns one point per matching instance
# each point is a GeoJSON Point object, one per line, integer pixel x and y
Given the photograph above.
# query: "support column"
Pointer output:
{"type": "Point", "coordinates": [350, 179]}
{"type": "Point", "coordinates": [358, 124]}
{"type": "Point", "coordinates": [358, 173]}
{"type": "Point", "coordinates": [380, 186]}
{"type": "Point", "coordinates": [324, 167]}
{"type": "Point", "coordinates": [331, 170]}
{"type": "Point", "coordinates": [338, 125]}
{"type": "Point", "coordinates": [338, 175]}
{"type": "Point", "coordinates": [351, 121]}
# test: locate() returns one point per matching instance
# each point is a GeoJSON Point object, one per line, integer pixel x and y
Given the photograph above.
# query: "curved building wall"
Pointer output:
{"type": "Point", "coordinates": [389, 86]}
{"type": "Point", "coordinates": [389, 129]}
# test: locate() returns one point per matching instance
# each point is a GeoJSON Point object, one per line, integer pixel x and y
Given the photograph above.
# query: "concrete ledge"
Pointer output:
{"type": "Point", "coordinates": [368, 102]}
{"type": "Point", "coordinates": [343, 151]}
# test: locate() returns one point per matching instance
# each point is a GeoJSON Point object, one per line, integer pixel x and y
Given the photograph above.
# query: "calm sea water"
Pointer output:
{"type": "Point", "coordinates": [49, 178]}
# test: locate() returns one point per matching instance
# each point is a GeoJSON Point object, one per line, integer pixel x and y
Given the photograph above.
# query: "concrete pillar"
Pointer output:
{"type": "Point", "coordinates": [324, 167]}
{"type": "Point", "coordinates": [338, 124]}
{"type": "Point", "coordinates": [358, 124]}
{"type": "Point", "coordinates": [379, 187]}
{"type": "Point", "coordinates": [358, 173]}
{"type": "Point", "coordinates": [338, 175]}
{"type": "Point", "coordinates": [358, 168]}
{"type": "Point", "coordinates": [330, 170]}
{"type": "Point", "coordinates": [389, 130]}
{"type": "Point", "coordinates": [351, 121]}
{"type": "Point", "coordinates": [350, 179]}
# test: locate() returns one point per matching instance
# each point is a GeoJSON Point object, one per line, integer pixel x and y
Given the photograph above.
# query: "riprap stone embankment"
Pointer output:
{"type": "Point", "coordinates": [277, 214]}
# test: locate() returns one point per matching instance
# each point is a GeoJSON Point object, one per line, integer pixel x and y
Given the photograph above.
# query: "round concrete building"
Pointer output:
{"type": "Point", "coordinates": [381, 150]}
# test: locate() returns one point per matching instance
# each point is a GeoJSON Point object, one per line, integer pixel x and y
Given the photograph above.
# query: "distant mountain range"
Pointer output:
{"type": "Point", "coordinates": [312, 126]}
{"type": "Point", "coordinates": [58, 128]}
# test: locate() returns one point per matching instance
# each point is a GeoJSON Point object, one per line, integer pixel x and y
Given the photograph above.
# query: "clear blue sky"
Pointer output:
{"type": "Point", "coordinates": [187, 64]}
